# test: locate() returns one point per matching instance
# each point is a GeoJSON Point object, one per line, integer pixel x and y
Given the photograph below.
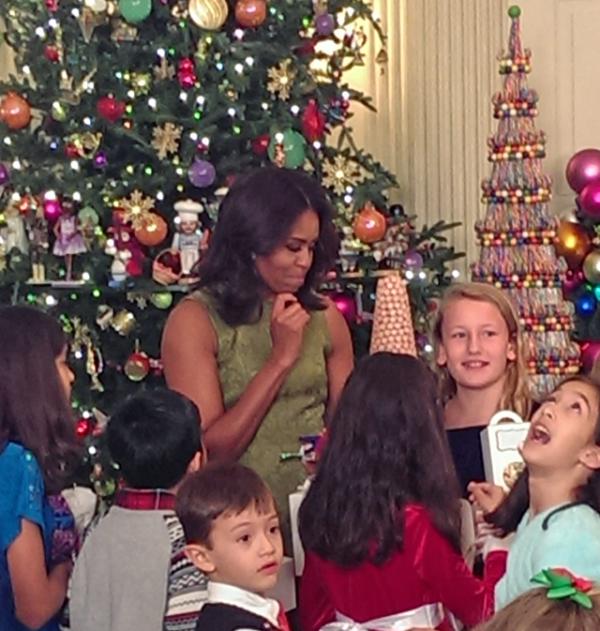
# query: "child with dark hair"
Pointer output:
{"type": "Point", "coordinates": [232, 530]}
{"type": "Point", "coordinates": [554, 506]}
{"type": "Point", "coordinates": [38, 453]}
{"type": "Point", "coordinates": [132, 572]}
{"type": "Point", "coordinates": [381, 521]}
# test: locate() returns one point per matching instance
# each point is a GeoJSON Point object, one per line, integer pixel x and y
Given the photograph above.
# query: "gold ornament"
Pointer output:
{"type": "Point", "coordinates": [165, 71]}
{"type": "Point", "coordinates": [340, 173]}
{"type": "Point", "coordinates": [140, 82]}
{"type": "Point", "coordinates": [124, 322]}
{"type": "Point", "coordinates": [122, 31]}
{"type": "Point", "coordinates": [392, 321]}
{"type": "Point", "coordinates": [89, 20]}
{"type": "Point", "coordinates": [82, 341]}
{"type": "Point", "coordinates": [86, 144]}
{"type": "Point", "coordinates": [166, 139]}
{"type": "Point", "coordinates": [281, 79]}
{"type": "Point", "coordinates": [208, 14]}
{"type": "Point", "coordinates": [180, 10]}
{"type": "Point", "coordinates": [591, 267]}
{"type": "Point", "coordinates": [136, 208]}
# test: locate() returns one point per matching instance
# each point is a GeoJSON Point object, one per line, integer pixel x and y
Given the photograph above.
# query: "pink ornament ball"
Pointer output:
{"type": "Point", "coordinates": [590, 352]}
{"type": "Point", "coordinates": [583, 168]}
{"type": "Point", "coordinates": [589, 200]}
{"type": "Point", "coordinates": [346, 305]}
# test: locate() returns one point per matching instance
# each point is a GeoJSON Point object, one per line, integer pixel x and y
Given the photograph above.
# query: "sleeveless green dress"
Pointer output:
{"type": "Point", "coordinates": [299, 407]}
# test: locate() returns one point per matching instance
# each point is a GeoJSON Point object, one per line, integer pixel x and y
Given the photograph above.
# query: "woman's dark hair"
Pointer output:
{"type": "Point", "coordinates": [255, 217]}
{"type": "Point", "coordinates": [216, 490]}
{"type": "Point", "coordinates": [387, 448]}
{"type": "Point", "coordinates": [509, 514]}
{"type": "Point", "coordinates": [34, 410]}
{"type": "Point", "coordinates": [153, 436]}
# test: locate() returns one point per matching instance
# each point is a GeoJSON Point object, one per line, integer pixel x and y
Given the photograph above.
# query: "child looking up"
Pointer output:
{"type": "Point", "coordinates": [554, 506]}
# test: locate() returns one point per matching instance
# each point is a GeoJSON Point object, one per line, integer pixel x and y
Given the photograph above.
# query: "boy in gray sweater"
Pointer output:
{"type": "Point", "coordinates": [132, 572]}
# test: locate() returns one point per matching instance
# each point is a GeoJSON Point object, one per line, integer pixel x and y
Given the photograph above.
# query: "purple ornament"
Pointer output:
{"type": "Point", "coordinates": [589, 199]}
{"type": "Point", "coordinates": [202, 173]}
{"type": "Point", "coordinates": [52, 209]}
{"type": "Point", "coordinates": [346, 305]}
{"type": "Point", "coordinates": [100, 160]}
{"type": "Point", "coordinates": [413, 260]}
{"type": "Point", "coordinates": [583, 168]}
{"type": "Point", "coordinates": [325, 24]}
{"type": "Point", "coordinates": [4, 174]}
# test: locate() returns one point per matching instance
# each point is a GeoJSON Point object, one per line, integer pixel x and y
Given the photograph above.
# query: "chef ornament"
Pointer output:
{"type": "Point", "coordinates": [190, 240]}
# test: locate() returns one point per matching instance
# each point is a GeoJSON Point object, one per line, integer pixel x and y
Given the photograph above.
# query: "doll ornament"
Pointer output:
{"type": "Point", "coordinates": [38, 238]}
{"type": "Point", "coordinates": [190, 241]}
{"type": "Point", "coordinates": [69, 238]}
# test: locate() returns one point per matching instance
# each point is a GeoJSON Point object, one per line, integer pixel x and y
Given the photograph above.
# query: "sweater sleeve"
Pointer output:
{"type": "Point", "coordinates": [443, 569]}
{"type": "Point", "coordinates": [316, 609]}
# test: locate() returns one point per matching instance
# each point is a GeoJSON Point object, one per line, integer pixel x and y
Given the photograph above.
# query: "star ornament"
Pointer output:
{"type": "Point", "coordinates": [281, 79]}
{"type": "Point", "coordinates": [166, 139]}
{"type": "Point", "coordinates": [340, 173]}
{"type": "Point", "coordinates": [136, 208]}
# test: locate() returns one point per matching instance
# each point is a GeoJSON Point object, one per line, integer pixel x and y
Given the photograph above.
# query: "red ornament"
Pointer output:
{"type": "Point", "coordinates": [15, 111]}
{"type": "Point", "coordinates": [110, 108]}
{"type": "Point", "coordinates": [186, 73]}
{"type": "Point", "coordinates": [137, 366]}
{"type": "Point", "coordinates": [313, 122]}
{"type": "Point", "coordinates": [370, 225]}
{"type": "Point", "coordinates": [250, 13]}
{"type": "Point", "coordinates": [261, 144]}
{"type": "Point", "coordinates": [51, 53]}
{"type": "Point", "coordinates": [84, 427]}
{"type": "Point", "coordinates": [72, 151]}
{"type": "Point", "coordinates": [52, 5]}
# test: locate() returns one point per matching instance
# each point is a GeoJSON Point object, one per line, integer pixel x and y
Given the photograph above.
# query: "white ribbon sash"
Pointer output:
{"type": "Point", "coordinates": [425, 616]}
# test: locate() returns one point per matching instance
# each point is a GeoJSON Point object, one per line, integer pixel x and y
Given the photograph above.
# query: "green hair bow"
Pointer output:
{"type": "Point", "coordinates": [562, 584]}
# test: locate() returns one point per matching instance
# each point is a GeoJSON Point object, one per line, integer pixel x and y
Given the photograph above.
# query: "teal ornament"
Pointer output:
{"type": "Point", "coordinates": [293, 145]}
{"type": "Point", "coordinates": [135, 11]}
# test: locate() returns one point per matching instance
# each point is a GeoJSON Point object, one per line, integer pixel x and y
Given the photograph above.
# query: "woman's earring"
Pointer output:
{"type": "Point", "coordinates": [253, 256]}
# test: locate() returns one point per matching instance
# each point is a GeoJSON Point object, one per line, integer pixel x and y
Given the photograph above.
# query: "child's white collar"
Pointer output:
{"type": "Point", "coordinates": [267, 608]}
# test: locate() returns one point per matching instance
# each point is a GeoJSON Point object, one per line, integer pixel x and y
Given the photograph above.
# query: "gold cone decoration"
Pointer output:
{"type": "Point", "coordinates": [392, 325]}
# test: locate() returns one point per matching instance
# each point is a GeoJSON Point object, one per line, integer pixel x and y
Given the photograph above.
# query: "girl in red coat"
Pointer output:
{"type": "Point", "coordinates": [380, 523]}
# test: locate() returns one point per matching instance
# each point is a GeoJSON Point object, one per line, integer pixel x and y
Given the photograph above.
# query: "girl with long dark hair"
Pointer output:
{"type": "Point", "coordinates": [381, 521]}
{"type": "Point", "coordinates": [554, 507]}
{"type": "Point", "coordinates": [38, 452]}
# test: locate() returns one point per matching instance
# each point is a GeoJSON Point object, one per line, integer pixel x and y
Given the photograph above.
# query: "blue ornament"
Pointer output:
{"type": "Point", "coordinates": [586, 304]}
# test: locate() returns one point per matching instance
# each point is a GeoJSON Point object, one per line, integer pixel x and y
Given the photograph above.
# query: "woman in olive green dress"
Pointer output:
{"type": "Point", "coordinates": [262, 354]}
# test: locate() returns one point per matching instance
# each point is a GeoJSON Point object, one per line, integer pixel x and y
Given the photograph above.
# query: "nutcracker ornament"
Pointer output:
{"type": "Point", "coordinates": [190, 241]}
{"type": "Point", "coordinates": [13, 230]}
{"type": "Point", "coordinates": [69, 239]}
{"type": "Point", "coordinates": [38, 238]}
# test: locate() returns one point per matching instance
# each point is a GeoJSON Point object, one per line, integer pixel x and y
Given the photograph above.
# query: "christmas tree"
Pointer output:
{"type": "Point", "coordinates": [125, 124]}
{"type": "Point", "coordinates": [518, 232]}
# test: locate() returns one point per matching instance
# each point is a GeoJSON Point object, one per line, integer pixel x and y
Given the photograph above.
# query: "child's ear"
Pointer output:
{"type": "Point", "coordinates": [200, 556]}
{"type": "Point", "coordinates": [590, 457]}
{"type": "Point", "coordinates": [197, 462]}
{"type": "Point", "coordinates": [441, 358]}
{"type": "Point", "coordinates": [511, 351]}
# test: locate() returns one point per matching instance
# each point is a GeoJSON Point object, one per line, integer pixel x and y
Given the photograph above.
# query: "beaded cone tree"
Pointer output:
{"type": "Point", "coordinates": [518, 232]}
